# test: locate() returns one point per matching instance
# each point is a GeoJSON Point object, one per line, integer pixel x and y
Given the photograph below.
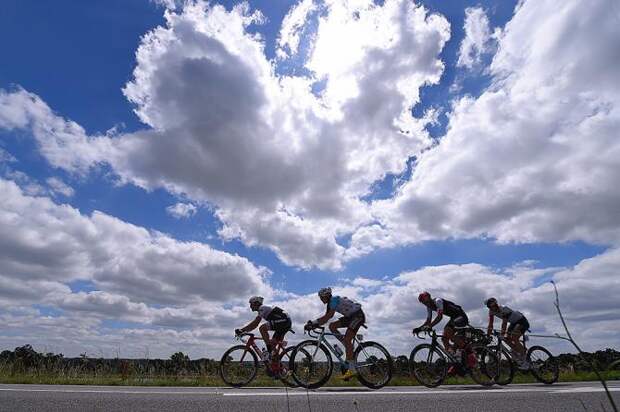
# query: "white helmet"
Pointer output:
{"type": "Point", "coordinates": [325, 292]}
{"type": "Point", "coordinates": [256, 299]}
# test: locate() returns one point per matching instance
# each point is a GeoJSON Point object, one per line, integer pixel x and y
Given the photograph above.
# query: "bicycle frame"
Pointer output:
{"type": "Point", "coordinates": [436, 344]}
{"type": "Point", "coordinates": [320, 335]}
{"type": "Point", "coordinates": [251, 345]}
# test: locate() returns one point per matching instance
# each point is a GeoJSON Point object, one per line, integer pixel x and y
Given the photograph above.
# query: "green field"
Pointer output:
{"type": "Point", "coordinates": [261, 380]}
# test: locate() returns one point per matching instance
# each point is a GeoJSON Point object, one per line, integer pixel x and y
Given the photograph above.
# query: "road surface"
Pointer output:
{"type": "Point", "coordinates": [578, 396]}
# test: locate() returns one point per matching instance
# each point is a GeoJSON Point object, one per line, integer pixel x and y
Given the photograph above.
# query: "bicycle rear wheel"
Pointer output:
{"type": "Point", "coordinates": [311, 364]}
{"type": "Point", "coordinates": [373, 364]}
{"type": "Point", "coordinates": [428, 365]}
{"type": "Point", "coordinates": [543, 365]}
{"type": "Point", "coordinates": [238, 366]}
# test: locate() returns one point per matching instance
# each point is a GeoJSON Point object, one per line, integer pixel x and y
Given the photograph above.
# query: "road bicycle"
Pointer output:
{"type": "Point", "coordinates": [312, 365]}
{"type": "Point", "coordinates": [430, 362]}
{"type": "Point", "coordinates": [538, 361]}
{"type": "Point", "coordinates": [239, 364]}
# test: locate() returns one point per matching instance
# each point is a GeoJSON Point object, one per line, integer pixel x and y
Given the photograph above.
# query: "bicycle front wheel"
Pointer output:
{"type": "Point", "coordinates": [373, 364]}
{"type": "Point", "coordinates": [483, 365]}
{"type": "Point", "coordinates": [543, 365]}
{"type": "Point", "coordinates": [286, 373]}
{"type": "Point", "coordinates": [238, 366]}
{"type": "Point", "coordinates": [428, 365]}
{"type": "Point", "coordinates": [311, 364]}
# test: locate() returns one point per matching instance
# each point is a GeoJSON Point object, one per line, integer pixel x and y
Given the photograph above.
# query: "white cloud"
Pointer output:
{"type": "Point", "coordinates": [45, 241]}
{"type": "Point", "coordinates": [63, 143]}
{"type": "Point", "coordinates": [226, 130]}
{"type": "Point", "coordinates": [478, 38]}
{"type": "Point", "coordinates": [181, 210]}
{"type": "Point", "coordinates": [532, 159]}
{"type": "Point", "coordinates": [6, 157]}
{"type": "Point", "coordinates": [59, 187]}
{"type": "Point", "coordinates": [535, 157]}
{"type": "Point", "coordinates": [292, 27]}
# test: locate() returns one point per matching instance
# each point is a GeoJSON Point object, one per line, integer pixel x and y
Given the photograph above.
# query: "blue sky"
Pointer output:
{"type": "Point", "coordinates": [78, 56]}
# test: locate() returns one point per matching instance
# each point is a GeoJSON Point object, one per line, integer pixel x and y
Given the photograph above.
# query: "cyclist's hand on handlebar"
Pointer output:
{"type": "Point", "coordinates": [238, 332]}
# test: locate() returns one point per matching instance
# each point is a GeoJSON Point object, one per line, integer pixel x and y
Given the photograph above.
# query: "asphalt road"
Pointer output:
{"type": "Point", "coordinates": [579, 396]}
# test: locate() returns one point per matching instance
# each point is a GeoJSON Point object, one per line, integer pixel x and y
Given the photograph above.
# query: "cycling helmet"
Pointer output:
{"type": "Point", "coordinates": [490, 301]}
{"type": "Point", "coordinates": [424, 296]}
{"type": "Point", "coordinates": [256, 299]}
{"type": "Point", "coordinates": [325, 292]}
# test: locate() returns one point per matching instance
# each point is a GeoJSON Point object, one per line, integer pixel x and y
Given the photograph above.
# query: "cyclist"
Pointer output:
{"type": "Point", "coordinates": [352, 318]}
{"type": "Point", "coordinates": [277, 321]}
{"type": "Point", "coordinates": [517, 325]}
{"type": "Point", "coordinates": [458, 318]}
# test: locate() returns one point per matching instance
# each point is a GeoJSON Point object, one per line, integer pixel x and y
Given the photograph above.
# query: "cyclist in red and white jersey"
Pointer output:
{"type": "Point", "coordinates": [276, 320]}
{"type": "Point", "coordinates": [457, 316]}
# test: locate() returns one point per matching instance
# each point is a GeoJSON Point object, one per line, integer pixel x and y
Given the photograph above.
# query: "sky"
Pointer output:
{"type": "Point", "coordinates": [162, 161]}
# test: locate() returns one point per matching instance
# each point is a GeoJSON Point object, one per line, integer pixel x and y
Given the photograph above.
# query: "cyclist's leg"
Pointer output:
{"type": "Point", "coordinates": [264, 332]}
{"type": "Point", "coordinates": [515, 331]}
{"type": "Point", "coordinates": [458, 338]}
{"type": "Point", "coordinates": [354, 324]}
{"type": "Point", "coordinates": [448, 334]}
{"type": "Point", "coordinates": [334, 326]}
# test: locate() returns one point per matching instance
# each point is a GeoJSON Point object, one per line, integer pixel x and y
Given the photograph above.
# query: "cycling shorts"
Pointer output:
{"type": "Point", "coordinates": [459, 321]}
{"type": "Point", "coordinates": [354, 321]}
{"type": "Point", "coordinates": [280, 327]}
{"type": "Point", "coordinates": [522, 323]}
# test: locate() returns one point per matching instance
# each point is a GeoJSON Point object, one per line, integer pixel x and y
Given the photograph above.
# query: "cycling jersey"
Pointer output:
{"type": "Point", "coordinates": [450, 309]}
{"type": "Point", "coordinates": [271, 313]}
{"type": "Point", "coordinates": [344, 306]}
{"type": "Point", "coordinates": [505, 313]}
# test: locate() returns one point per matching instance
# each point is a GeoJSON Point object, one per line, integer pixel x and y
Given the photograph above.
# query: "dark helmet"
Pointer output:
{"type": "Point", "coordinates": [424, 296]}
{"type": "Point", "coordinates": [490, 302]}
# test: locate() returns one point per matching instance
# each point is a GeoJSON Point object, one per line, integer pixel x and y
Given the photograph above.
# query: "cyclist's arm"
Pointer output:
{"type": "Point", "coordinates": [490, 327]}
{"type": "Point", "coordinates": [328, 315]}
{"type": "Point", "coordinates": [252, 325]}
{"type": "Point", "coordinates": [504, 324]}
{"type": "Point", "coordinates": [437, 319]}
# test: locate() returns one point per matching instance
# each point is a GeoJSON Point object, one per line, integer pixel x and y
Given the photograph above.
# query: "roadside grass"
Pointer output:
{"type": "Point", "coordinates": [51, 378]}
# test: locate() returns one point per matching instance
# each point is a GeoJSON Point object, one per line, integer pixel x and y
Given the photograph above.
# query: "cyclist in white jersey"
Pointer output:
{"type": "Point", "coordinates": [352, 318]}
{"type": "Point", "coordinates": [276, 320]}
{"type": "Point", "coordinates": [517, 325]}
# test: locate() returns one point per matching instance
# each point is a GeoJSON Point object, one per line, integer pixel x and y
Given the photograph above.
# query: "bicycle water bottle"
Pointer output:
{"type": "Point", "coordinates": [338, 350]}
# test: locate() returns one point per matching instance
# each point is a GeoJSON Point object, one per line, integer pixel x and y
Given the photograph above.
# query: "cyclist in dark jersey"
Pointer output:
{"type": "Point", "coordinates": [457, 316]}
{"type": "Point", "coordinates": [276, 320]}
{"type": "Point", "coordinates": [517, 325]}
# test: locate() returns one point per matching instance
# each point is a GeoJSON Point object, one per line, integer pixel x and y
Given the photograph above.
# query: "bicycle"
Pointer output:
{"type": "Point", "coordinates": [312, 364]}
{"type": "Point", "coordinates": [239, 364]}
{"type": "Point", "coordinates": [429, 362]}
{"type": "Point", "coordinates": [538, 361]}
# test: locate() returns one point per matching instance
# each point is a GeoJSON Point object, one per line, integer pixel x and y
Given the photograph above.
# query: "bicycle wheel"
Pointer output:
{"type": "Point", "coordinates": [483, 369]}
{"type": "Point", "coordinates": [373, 364]}
{"type": "Point", "coordinates": [285, 361]}
{"type": "Point", "coordinates": [543, 365]}
{"type": "Point", "coordinates": [428, 365]}
{"type": "Point", "coordinates": [311, 364]}
{"type": "Point", "coordinates": [503, 369]}
{"type": "Point", "coordinates": [238, 366]}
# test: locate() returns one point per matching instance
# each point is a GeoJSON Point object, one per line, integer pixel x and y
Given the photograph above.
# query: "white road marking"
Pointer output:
{"type": "Point", "coordinates": [110, 391]}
